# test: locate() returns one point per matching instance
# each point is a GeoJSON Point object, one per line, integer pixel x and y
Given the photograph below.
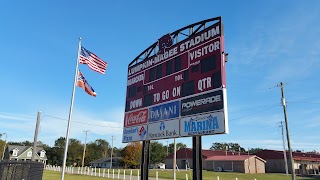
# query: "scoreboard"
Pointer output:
{"type": "Point", "coordinates": [179, 92]}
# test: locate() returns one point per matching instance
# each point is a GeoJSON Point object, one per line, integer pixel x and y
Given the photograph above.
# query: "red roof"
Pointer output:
{"type": "Point", "coordinates": [273, 154]}
{"type": "Point", "coordinates": [187, 153]}
{"type": "Point", "coordinates": [230, 158]}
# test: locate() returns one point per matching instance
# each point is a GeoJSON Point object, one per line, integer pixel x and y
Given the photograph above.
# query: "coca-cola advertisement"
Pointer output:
{"type": "Point", "coordinates": [136, 118]}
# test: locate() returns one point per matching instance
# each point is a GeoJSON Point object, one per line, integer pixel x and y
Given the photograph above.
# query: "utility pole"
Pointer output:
{"type": "Point", "coordinates": [111, 152]}
{"type": "Point", "coordinates": [248, 160]}
{"type": "Point", "coordinates": [84, 149]}
{"type": "Point", "coordinates": [287, 130]}
{"type": "Point", "coordinates": [5, 143]}
{"type": "Point", "coordinates": [167, 148]}
{"type": "Point", "coordinates": [35, 140]}
{"type": "Point", "coordinates": [174, 158]}
{"type": "Point", "coordinates": [284, 149]}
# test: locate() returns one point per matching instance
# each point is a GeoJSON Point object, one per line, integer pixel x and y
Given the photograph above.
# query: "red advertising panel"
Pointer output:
{"type": "Point", "coordinates": [136, 118]}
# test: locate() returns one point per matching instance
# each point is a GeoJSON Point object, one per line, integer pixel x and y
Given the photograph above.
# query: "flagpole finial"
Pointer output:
{"type": "Point", "coordinates": [80, 38]}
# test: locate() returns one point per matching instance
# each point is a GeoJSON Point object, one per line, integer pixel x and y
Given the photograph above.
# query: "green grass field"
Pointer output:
{"type": "Point", "coordinates": [181, 175]}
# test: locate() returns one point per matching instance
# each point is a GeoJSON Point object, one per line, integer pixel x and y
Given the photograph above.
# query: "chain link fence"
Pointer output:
{"type": "Point", "coordinates": [21, 170]}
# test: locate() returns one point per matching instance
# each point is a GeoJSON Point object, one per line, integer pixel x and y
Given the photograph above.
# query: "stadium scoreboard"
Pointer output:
{"type": "Point", "coordinates": [180, 91]}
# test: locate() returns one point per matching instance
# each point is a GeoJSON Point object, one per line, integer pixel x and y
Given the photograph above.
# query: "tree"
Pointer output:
{"type": "Point", "coordinates": [132, 154]}
{"type": "Point", "coordinates": [227, 147]}
{"type": "Point", "coordinates": [255, 150]}
{"type": "Point", "coordinates": [24, 143]}
{"type": "Point", "coordinates": [2, 144]}
{"type": "Point", "coordinates": [178, 146]}
{"type": "Point", "coordinates": [96, 150]}
{"type": "Point", "coordinates": [157, 152]}
{"type": "Point", "coordinates": [75, 152]}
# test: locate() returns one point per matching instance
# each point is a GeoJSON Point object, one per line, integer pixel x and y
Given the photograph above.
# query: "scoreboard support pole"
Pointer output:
{"type": "Point", "coordinates": [197, 158]}
{"type": "Point", "coordinates": [145, 160]}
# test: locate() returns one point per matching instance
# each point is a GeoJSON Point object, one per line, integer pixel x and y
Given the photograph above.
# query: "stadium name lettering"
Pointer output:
{"type": "Point", "coordinates": [203, 37]}
{"type": "Point", "coordinates": [200, 38]}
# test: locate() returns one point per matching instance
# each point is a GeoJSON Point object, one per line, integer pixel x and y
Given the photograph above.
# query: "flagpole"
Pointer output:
{"type": "Point", "coordinates": [70, 113]}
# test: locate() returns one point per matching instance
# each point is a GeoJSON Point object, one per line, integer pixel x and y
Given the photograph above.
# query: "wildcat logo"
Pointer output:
{"type": "Point", "coordinates": [164, 42]}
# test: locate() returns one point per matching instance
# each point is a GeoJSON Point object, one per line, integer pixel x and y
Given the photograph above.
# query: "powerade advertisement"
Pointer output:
{"type": "Point", "coordinates": [136, 133]}
{"type": "Point", "coordinates": [163, 129]}
{"type": "Point", "coordinates": [164, 111]}
{"type": "Point", "coordinates": [205, 124]}
{"type": "Point", "coordinates": [212, 101]}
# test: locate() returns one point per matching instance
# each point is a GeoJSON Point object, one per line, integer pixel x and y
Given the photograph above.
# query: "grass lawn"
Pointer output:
{"type": "Point", "coordinates": [181, 175]}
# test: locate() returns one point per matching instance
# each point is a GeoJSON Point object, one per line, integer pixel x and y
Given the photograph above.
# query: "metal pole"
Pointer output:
{"type": "Point", "coordinates": [145, 160]}
{"type": "Point", "coordinates": [84, 150]}
{"type": "Point", "coordinates": [197, 157]}
{"type": "Point", "coordinates": [35, 140]}
{"type": "Point", "coordinates": [70, 114]}
{"type": "Point", "coordinates": [111, 153]}
{"type": "Point", "coordinates": [287, 130]}
{"type": "Point", "coordinates": [167, 148]}
{"type": "Point", "coordinates": [284, 150]}
{"type": "Point", "coordinates": [4, 147]}
{"type": "Point", "coordinates": [174, 158]}
{"type": "Point", "coordinates": [248, 161]}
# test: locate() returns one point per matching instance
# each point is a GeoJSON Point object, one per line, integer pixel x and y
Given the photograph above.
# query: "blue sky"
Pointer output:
{"type": "Point", "coordinates": [268, 42]}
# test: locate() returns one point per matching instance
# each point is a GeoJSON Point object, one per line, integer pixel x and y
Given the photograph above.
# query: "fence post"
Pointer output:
{"type": "Point", "coordinates": [124, 174]}
{"type": "Point", "coordinates": [108, 173]}
{"type": "Point", "coordinates": [104, 170]}
{"type": "Point", "coordinates": [112, 173]}
{"type": "Point", "coordinates": [156, 175]}
{"type": "Point", "coordinates": [95, 171]}
{"type": "Point", "coordinates": [218, 178]}
{"type": "Point", "coordinates": [186, 176]}
{"type": "Point", "coordinates": [131, 174]}
{"type": "Point", "coordinates": [138, 175]}
{"type": "Point", "coordinates": [118, 173]}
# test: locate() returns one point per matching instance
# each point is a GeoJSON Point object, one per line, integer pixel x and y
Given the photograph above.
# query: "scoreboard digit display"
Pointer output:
{"type": "Point", "coordinates": [182, 84]}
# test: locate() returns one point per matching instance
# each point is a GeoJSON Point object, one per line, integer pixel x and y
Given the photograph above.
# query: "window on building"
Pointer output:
{"type": "Point", "coordinates": [42, 153]}
{"type": "Point", "coordinates": [15, 152]}
{"type": "Point", "coordinates": [29, 154]}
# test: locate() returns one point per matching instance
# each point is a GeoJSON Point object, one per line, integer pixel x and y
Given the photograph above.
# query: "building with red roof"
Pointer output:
{"type": "Point", "coordinates": [218, 160]}
{"type": "Point", "coordinates": [304, 163]}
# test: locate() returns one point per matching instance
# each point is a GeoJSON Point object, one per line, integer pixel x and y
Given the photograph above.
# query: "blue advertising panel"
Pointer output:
{"type": "Point", "coordinates": [164, 111]}
{"type": "Point", "coordinates": [210, 123]}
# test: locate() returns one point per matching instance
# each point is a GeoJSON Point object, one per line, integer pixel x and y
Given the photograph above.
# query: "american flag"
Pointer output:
{"type": "Point", "coordinates": [92, 60]}
{"type": "Point", "coordinates": [82, 82]}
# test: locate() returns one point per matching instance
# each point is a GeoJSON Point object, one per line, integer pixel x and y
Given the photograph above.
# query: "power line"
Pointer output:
{"type": "Point", "coordinates": [253, 113]}
{"type": "Point", "coordinates": [81, 122]}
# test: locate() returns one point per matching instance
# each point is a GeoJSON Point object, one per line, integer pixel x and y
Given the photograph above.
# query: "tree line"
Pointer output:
{"type": "Point", "coordinates": [100, 148]}
{"type": "Point", "coordinates": [130, 154]}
